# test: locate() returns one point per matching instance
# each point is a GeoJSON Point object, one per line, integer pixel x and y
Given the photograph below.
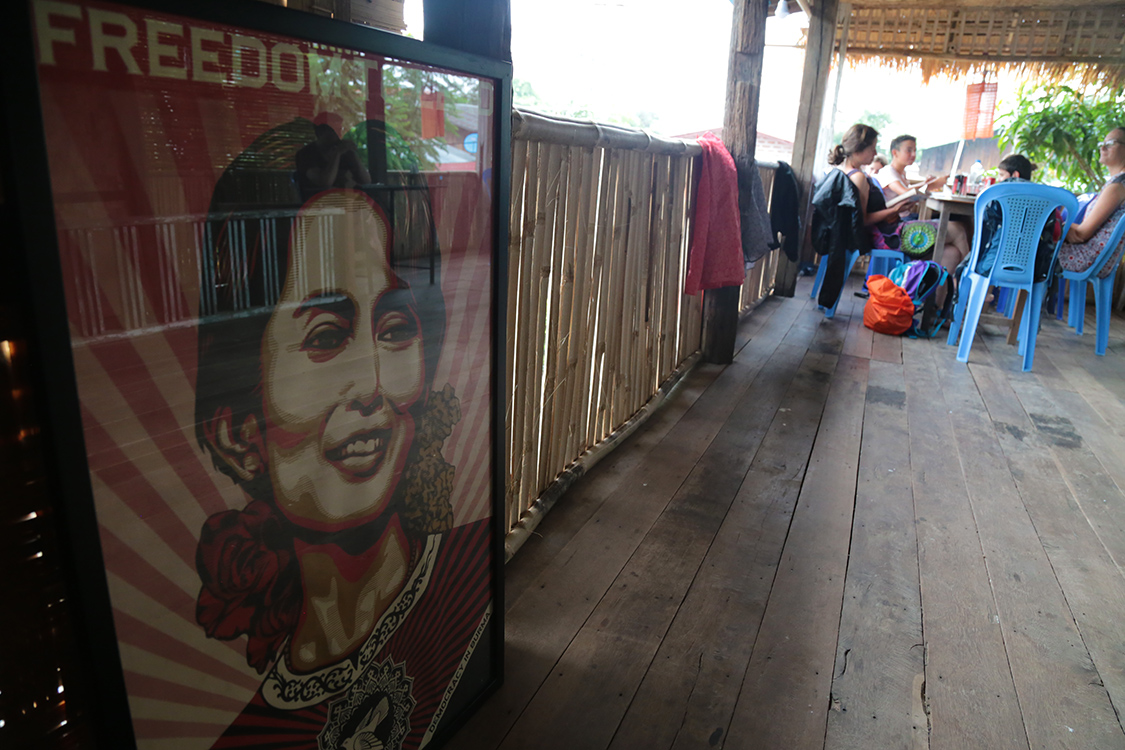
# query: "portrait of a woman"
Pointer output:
{"type": "Point", "coordinates": [361, 603]}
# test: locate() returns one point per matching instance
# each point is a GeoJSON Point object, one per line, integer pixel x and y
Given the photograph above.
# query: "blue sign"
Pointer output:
{"type": "Point", "coordinates": [471, 143]}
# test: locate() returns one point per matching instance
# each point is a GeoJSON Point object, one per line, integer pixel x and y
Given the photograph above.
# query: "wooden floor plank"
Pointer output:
{"type": "Point", "coordinates": [586, 496]}
{"type": "Point", "coordinates": [676, 622]}
{"type": "Point", "coordinates": [600, 671]}
{"type": "Point", "coordinates": [1100, 412]}
{"type": "Point", "coordinates": [1090, 484]}
{"type": "Point", "coordinates": [785, 692]}
{"type": "Point", "coordinates": [582, 500]}
{"type": "Point", "coordinates": [830, 332]}
{"type": "Point", "coordinates": [1089, 578]}
{"type": "Point", "coordinates": [688, 694]}
{"type": "Point", "coordinates": [753, 321]}
{"type": "Point", "coordinates": [886, 348]}
{"type": "Point", "coordinates": [1061, 697]}
{"type": "Point", "coordinates": [969, 685]}
{"type": "Point", "coordinates": [877, 699]}
{"type": "Point", "coordinates": [858, 341]}
{"type": "Point", "coordinates": [546, 617]}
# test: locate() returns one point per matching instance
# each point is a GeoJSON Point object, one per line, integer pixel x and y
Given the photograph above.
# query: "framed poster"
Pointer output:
{"type": "Point", "coordinates": [278, 267]}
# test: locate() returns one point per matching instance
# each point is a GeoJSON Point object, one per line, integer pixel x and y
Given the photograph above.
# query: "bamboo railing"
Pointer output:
{"type": "Point", "coordinates": [599, 329]}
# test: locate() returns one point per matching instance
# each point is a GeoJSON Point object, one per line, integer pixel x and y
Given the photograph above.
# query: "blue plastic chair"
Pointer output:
{"type": "Point", "coordinates": [821, 269]}
{"type": "Point", "coordinates": [1026, 208]}
{"type": "Point", "coordinates": [882, 261]}
{"type": "Point", "coordinates": [1103, 291]}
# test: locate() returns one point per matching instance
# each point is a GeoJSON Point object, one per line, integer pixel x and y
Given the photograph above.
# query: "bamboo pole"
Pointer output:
{"type": "Point", "coordinates": [661, 212]}
{"type": "Point", "coordinates": [635, 289]}
{"type": "Point", "coordinates": [671, 266]}
{"type": "Point", "coordinates": [539, 279]}
{"type": "Point", "coordinates": [641, 273]}
{"type": "Point", "coordinates": [610, 297]}
{"type": "Point", "coordinates": [618, 269]}
{"type": "Point", "coordinates": [526, 322]}
{"type": "Point", "coordinates": [681, 174]}
{"type": "Point", "coordinates": [580, 311]}
{"type": "Point", "coordinates": [624, 389]}
{"type": "Point", "coordinates": [567, 132]}
{"type": "Point", "coordinates": [694, 331]}
{"type": "Point", "coordinates": [550, 319]}
{"type": "Point", "coordinates": [560, 419]}
{"type": "Point", "coordinates": [519, 186]}
{"type": "Point", "coordinates": [618, 303]}
{"type": "Point", "coordinates": [600, 303]}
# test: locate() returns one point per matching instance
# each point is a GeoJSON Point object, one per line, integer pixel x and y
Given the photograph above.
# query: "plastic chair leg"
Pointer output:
{"type": "Point", "coordinates": [1080, 313]}
{"type": "Point", "coordinates": [821, 269]}
{"type": "Point", "coordinates": [1078, 306]}
{"type": "Point", "coordinates": [963, 287]}
{"type": "Point", "coordinates": [1031, 319]}
{"type": "Point", "coordinates": [852, 258]}
{"type": "Point", "coordinates": [1103, 301]}
{"type": "Point", "coordinates": [973, 309]}
{"type": "Point", "coordinates": [1060, 298]}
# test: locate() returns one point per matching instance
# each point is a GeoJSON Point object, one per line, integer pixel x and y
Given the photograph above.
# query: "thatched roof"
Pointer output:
{"type": "Point", "coordinates": [1054, 39]}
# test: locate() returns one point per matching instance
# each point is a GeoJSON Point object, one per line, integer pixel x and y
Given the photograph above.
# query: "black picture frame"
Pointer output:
{"type": "Point", "coordinates": [33, 256]}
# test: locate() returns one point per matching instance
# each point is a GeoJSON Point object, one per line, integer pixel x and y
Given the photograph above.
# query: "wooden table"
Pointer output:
{"type": "Point", "coordinates": [946, 205]}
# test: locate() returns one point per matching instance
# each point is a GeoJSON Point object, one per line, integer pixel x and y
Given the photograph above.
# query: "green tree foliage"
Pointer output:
{"type": "Point", "coordinates": [402, 90]}
{"type": "Point", "coordinates": [341, 87]}
{"type": "Point", "coordinates": [1059, 127]}
{"type": "Point", "coordinates": [881, 121]}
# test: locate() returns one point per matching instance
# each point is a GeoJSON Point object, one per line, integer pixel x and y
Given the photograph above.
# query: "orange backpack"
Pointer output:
{"type": "Point", "coordinates": [888, 309]}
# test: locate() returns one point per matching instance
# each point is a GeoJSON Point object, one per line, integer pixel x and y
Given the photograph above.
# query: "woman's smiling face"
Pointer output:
{"type": "Point", "coordinates": [342, 364]}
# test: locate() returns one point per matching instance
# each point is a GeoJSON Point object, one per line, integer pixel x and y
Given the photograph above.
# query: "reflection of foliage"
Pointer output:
{"type": "Point", "coordinates": [402, 153]}
{"type": "Point", "coordinates": [523, 95]}
{"type": "Point", "coordinates": [402, 90]}
{"type": "Point", "coordinates": [340, 86]}
{"type": "Point", "coordinates": [1060, 127]}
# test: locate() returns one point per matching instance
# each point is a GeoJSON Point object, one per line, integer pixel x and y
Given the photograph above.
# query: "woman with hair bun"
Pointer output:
{"type": "Point", "coordinates": [843, 209]}
{"type": "Point", "coordinates": [858, 149]}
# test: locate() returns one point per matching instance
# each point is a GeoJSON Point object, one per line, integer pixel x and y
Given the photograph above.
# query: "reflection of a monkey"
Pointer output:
{"type": "Point", "coordinates": [329, 162]}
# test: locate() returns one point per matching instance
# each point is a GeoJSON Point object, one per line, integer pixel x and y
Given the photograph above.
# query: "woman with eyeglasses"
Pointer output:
{"type": "Point", "coordinates": [1086, 239]}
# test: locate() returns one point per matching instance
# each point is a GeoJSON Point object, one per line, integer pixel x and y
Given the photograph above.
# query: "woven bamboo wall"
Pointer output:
{"type": "Point", "coordinates": [1089, 39]}
{"type": "Point", "coordinates": [597, 316]}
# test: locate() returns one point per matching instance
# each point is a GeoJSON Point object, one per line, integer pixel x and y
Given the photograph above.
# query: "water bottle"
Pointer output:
{"type": "Point", "coordinates": [976, 172]}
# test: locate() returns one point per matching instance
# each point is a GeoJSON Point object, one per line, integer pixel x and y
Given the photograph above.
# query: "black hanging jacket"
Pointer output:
{"type": "Point", "coordinates": [785, 209]}
{"type": "Point", "coordinates": [837, 227]}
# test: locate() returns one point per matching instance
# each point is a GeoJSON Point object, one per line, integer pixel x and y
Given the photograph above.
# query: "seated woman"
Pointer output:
{"type": "Point", "coordinates": [1016, 168]}
{"type": "Point", "coordinates": [842, 212]}
{"type": "Point", "coordinates": [1086, 239]}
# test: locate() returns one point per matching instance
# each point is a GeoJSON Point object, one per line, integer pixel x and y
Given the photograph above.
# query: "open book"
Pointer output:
{"type": "Point", "coordinates": [910, 196]}
{"type": "Point", "coordinates": [931, 182]}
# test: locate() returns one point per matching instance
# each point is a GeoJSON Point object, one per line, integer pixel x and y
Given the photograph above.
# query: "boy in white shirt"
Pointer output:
{"type": "Point", "coordinates": [892, 178]}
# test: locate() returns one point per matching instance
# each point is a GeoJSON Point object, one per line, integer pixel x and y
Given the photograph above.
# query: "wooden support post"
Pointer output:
{"type": "Point", "coordinates": [483, 27]}
{"type": "Point", "coordinates": [740, 133]}
{"type": "Point", "coordinates": [814, 85]}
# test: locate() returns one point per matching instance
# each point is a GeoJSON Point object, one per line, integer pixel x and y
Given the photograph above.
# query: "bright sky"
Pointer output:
{"type": "Point", "coordinates": [621, 58]}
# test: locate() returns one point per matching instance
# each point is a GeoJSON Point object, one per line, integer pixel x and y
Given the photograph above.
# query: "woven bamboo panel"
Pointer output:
{"type": "Point", "coordinates": [1087, 38]}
